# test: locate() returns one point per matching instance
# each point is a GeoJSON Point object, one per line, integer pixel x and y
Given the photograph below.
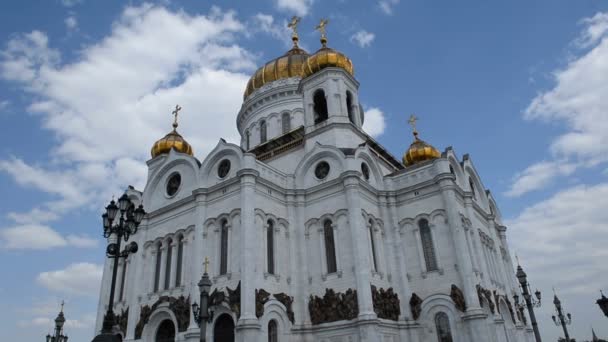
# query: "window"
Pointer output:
{"type": "Point", "coordinates": [427, 245]}
{"type": "Point", "coordinates": [270, 246]}
{"type": "Point", "coordinates": [224, 248]}
{"type": "Point", "coordinates": [442, 324]}
{"type": "Point", "coordinates": [286, 122]}
{"type": "Point", "coordinates": [159, 253]}
{"type": "Point", "coordinates": [472, 185]}
{"type": "Point", "coordinates": [452, 170]}
{"type": "Point", "coordinates": [349, 106]}
{"type": "Point", "coordinates": [247, 139]}
{"type": "Point", "coordinates": [273, 331]}
{"type": "Point", "coordinates": [263, 135]}
{"type": "Point", "coordinates": [320, 106]}
{"type": "Point", "coordinates": [373, 245]}
{"type": "Point", "coordinates": [180, 258]}
{"type": "Point", "coordinates": [168, 264]}
{"type": "Point", "coordinates": [121, 295]}
{"type": "Point", "coordinates": [330, 247]}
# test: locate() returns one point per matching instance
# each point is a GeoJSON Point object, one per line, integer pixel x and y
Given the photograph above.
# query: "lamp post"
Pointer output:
{"type": "Point", "coordinates": [58, 336]}
{"type": "Point", "coordinates": [128, 221]}
{"type": "Point", "coordinates": [561, 320]}
{"type": "Point", "coordinates": [530, 302]}
{"type": "Point", "coordinates": [603, 303]}
{"type": "Point", "coordinates": [203, 314]}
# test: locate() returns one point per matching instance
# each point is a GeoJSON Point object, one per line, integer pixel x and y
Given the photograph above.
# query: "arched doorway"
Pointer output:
{"type": "Point", "coordinates": [166, 332]}
{"type": "Point", "coordinates": [223, 330]}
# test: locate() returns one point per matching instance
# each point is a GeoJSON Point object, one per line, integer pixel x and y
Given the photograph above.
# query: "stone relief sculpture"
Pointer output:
{"type": "Point", "coordinates": [144, 317]}
{"type": "Point", "coordinates": [386, 303]}
{"type": "Point", "coordinates": [234, 299]}
{"type": "Point", "coordinates": [333, 306]}
{"type": "Point", "coordinates": [415, 306]}
{"type": "Point", "coordinates": [179, 306]}
{"type": "Point", "coordinates": [487, 294]}
{"type": "Point", "coordinates": [287, 301]}
{"type": "Point", "coordinates": [122, 320]}
{"type": "Point", "coordinates": [458, 298]}
{"type": "Point", "coordinates": [510, 306]}
{"type": "Point", "coordinates": [261, 297]}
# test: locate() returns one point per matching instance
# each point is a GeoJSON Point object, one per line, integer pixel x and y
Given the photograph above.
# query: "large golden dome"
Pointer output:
{"type": "Point", "coordinates": [286, 66]}
{"type": "Point", "coordinates": [419, 150]}
{"type": "Point", "coordinates": [173, 140]}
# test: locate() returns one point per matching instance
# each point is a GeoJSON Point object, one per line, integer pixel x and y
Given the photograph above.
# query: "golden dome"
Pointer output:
{"type": "Point", "coordinates": [286, 66]}
{"type": "Point", "coordinates": [173, 140]}
{"type": "Point", "coordinates": [419, 150]}
{"type": "Point", "coordinates": [326, 58]}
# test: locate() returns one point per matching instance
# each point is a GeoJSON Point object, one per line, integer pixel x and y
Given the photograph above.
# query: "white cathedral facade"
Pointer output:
{"type": "Point", "coordinates": [314, 232]}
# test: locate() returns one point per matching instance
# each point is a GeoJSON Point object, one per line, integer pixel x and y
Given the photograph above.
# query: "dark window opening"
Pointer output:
{"type": "Point", "coordinates": [224, 248]}
{"type": "Point", "coordinates": [168, 264]}
{"type": "Point", "coordinates": [180, 258]}
{"type": "Point", "coordinates": [320, 106]}
{"type": "Point", "coordinates": [263, 135]}
{"type": "Point", "coordinates": [270, 246]}
{"type": "Point", "coordinates": [159, 252]}
{"type": "Point", "coordinates": [330, 247]}
{"type": "Point", "coordinates": [427, 245]}
{"type": "Point", "coordinates": [349, 107]}
{"type": "Point", "coordinates": [286, 122]}
{"type": "Point", "coordinates": [371, 238]}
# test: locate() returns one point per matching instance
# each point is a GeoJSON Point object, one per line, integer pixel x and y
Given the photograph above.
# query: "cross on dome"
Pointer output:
{"type": "Point", "coordinates": [321, 28]}
{"type": "Point", "coordinates": [175, 113]}
{"type": "Point", "coordinates": [206, 263]}
{"type": "Point", "coordinates": [293, 25]}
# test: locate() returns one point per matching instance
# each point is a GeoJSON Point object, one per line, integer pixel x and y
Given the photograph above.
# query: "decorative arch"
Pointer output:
{"type": "Point", "coordinates": [482, 199]}
{"type": "Point", "coordinates": [303, 172]}
{"type": "Point", "coordinates": [435, 304]}
{"type": "Point", "coordinates": [159, 315]}
{"type": "Point", "coordinates": [275, 311]}
{"type": "Point", "coordinates": [364, 154]}
{"type": "Point", "coordinates": [222, 150]}
{"type": "Point", "coordinates": [173, 161]}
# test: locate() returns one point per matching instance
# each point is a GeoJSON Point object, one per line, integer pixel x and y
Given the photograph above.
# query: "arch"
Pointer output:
{"type": "Point", "coordinates": [224, 246]}
{"type": "Point", "coordinates": [434, 304]}
{"type": "Point", "coordinates": [263, 131]}
{"type": "Point", "coordinates": [165, 332]}
{"type": "Point", "coordinates": [349, 107]}
{"type": "Point", "coordinates": [273, 331]}
{"type": "Point", "coordinates": [330, 246]}
{"type": "Point", "coordinates": [332, 155]}
{"type": "Point", "coordinates": [270, 246]}
{"type": "Point", "coordinates": [428, 247]}
{"type": "Point", "coordinates": [223, 329]}
{"type": "Point", "coordinates": [285, 122]}
{"type": "Point", "coordinates": [442, 326]}
{"type": "Point", "coordinates": [320, 106]}
{"type": "Point", "coordinates": [365, 155]}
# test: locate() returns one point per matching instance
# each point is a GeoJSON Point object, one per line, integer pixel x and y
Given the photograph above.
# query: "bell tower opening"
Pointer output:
{"type": "Point", "coordinates": [320, 106]}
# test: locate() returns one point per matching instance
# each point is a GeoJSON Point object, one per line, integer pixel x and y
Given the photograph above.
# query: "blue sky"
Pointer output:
{"type": "Point", "coordinates": [87, 86]}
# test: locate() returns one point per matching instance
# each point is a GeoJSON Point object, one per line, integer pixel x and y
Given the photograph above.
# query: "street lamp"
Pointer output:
{"type": "Point", "coordinates": [603, 303]}
{"type": "Point", "coordinates": [531, 302]}
{"type": "Point", "coordinates": [561, 320]}
{"type": "Point", "coordinates": [204, 313]}
{"type": "Point", "coordinates": [127, 225]}
{"type": "Point", "coordinates": [59, 336]}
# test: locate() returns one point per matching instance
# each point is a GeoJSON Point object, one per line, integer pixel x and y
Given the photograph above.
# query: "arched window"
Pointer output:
{"type": "Point", "coordinates": [159, 253]}
{"type": "Point", "coordinates": [442, 324]}
{"type": "Point", "coordinates": [472, 185]}
{"type": "Point", "coordinates": [247, 139]}
{"type": "Point", "coordinates": [224, 247]}
{"type": "Point", "coordinates": [349, 106]}
{"type": "Point", "coordinates": [427, 245]}
{"type": "Point", "coordinates": [180, 258]}
{"type": "Point", "coordinates": [263, 135]}
{"type": "Point", "coordinates": [168, 264]}
{"type": "Point", "coordinates": [330, 247]}
{"type": "Point", "coordinates": [273, 331]}
{"type": "Point", "coordinates": [373, 245]}
{"type": "Point", "coordinates": [270, 246]}
{"type": "Point", "coordinates": [320, 106]}
{"type": "Point", "coordinates": [121, 295]}
{"type": "Point", "coordinates": [286, 122]}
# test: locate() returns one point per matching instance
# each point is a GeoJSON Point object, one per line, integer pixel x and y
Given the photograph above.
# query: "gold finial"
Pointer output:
{"type": "Point", "coordinates": [412, 121]}
{"type": "Point", "coordinates": [321, 28]}
{"type": "Point", "coordinates": [175, 113]}
{"type": "Point", "coordinates": [293, 25]}
{"type": "Point", "coordinates": [206, 263]}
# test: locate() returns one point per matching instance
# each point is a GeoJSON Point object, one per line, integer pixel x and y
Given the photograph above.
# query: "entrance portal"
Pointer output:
{"type": "Point", "coordinates": [223, 331]}
{"type": "Point", "coordinates": [166, 332]}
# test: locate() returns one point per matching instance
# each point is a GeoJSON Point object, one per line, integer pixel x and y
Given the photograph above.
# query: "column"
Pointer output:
{"type": "Point", "coordinates": [248, 326]}
{"type": "Point", "coordinates": [195, 254]}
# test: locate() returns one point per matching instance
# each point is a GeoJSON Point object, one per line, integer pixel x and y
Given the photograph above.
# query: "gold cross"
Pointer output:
{"type": "Point", "coordinates": [206, 263]}
{"type": "Point", "coordinates": [321, 26]}
{"type": "Point", "coordinates": [293, 25]}
{"type": "Point", "coordinates": [412, 122]}
{"type": "Point", "coordinates": [175, 113]}
{"type": "Point", "coordinates": [62, 303]}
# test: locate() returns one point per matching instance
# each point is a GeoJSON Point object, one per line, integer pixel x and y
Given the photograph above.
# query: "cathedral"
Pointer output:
{"type": "Point", "coordinates": [310, 230]}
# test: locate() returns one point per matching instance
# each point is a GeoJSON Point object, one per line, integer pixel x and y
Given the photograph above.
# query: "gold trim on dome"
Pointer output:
{"type": "Point", "coordinates": [172, 140]}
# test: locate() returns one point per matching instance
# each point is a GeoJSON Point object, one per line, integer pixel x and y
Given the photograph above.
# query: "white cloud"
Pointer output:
{"type": "Point", "coordinates": [70, 3]}
{"type": "Point", "coordinates": [152, 59]}
{"type": "Point", "coordinates": [539, 175]}
{"type": "Point", "coordinates": [387, 6]}
{"type": "Point", "coordinates": [4, 104]}
{"type": "Point", "coordinates": [71, 23]}
{"type": "Point", "coordinates": [77, 279]}
{"type": "Point", "coordinates": [579, 102]}
{"type": "Point", "coordinates": [266, 23]}
{"type": "Point", "coordinates": [40, 237]}
{"type": "Point", "coordinates": [297, 7]}
{"type": "Point", "coordinates": [363, 38]}
{"type": "Point", "coordinates": [374, 122]}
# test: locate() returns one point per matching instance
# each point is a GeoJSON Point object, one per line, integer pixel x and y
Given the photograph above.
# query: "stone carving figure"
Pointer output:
{"type": "Point", "coordinates": [415, 306]}
{"type": "Point", "coordinates": [287, 301]}
{"type": "Point", "coordinates": [234, 299]}
{"type": "Point", "coordinates": [261, 297]}
{"type": "Point", "coordinates": [458, 298]}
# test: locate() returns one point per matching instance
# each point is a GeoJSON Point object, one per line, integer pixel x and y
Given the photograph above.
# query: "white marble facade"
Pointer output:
{"type": "Point", "coordinates": [376, 218]}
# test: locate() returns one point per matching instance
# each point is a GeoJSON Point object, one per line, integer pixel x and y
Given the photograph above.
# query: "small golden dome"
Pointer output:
{"type": "Point", "coordinates": [173, 140]}
{"type": "Point", "coordinates": [326, 57]}
{"type": "Point", "coordinates": [286, 66]}
{"type": "Point", "coordinates": [419, 150]}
